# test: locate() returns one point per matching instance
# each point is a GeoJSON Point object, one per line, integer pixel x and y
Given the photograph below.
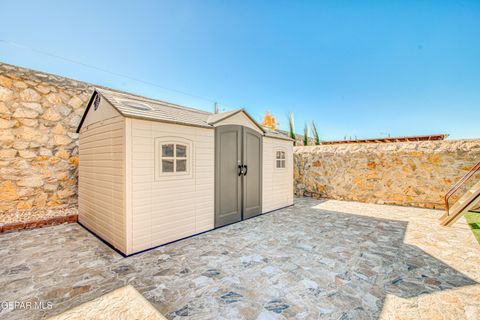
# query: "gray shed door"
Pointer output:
{"type": "Point", "coordinates": [252, 177]}
{"type": "Point", "coordinates": [238, 166]}
{"type": "Point", "coordinates": [228, 182]}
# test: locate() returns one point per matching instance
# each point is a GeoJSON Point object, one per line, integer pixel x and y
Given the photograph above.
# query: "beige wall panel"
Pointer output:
{"type": "Point", "coordinates": [170, 208]}
{"type": "Point", "coordinates": [277, 189]}
{"type": "Point", "coordinates": [101, 175]}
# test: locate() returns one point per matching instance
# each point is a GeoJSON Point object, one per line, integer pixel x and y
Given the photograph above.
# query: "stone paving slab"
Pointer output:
{"type": "Point", "coordinates": [316, 260]}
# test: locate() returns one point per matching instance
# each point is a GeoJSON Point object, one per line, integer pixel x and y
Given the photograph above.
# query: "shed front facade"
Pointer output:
{"type": "Point", "coordinates": [151, 172]}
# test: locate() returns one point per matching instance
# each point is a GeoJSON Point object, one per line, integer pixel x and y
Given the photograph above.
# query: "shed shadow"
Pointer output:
{"type": "Point", "coordinates": [379, 262]}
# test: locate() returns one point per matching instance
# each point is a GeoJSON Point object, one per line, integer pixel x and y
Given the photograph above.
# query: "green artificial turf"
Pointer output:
{"type": "Point", "coordinates": [473, 220]}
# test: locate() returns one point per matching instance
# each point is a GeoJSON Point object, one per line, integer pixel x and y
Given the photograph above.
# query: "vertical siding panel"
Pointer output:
{"type": "Point", "coordinates": [277, 183]}
{"type": "Point", "coordinates": [165, 210]}
{"type": "Point", "coordinates": [101, 180]}
{"type": "Point", "coordinates": [128, 185]}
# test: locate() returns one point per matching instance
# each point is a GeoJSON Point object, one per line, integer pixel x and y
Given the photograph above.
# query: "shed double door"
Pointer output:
{"type": "Point", "coordinates": [238, 174]}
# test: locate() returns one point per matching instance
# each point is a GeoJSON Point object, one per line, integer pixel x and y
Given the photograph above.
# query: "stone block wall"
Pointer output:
{"type": "Point", "coordinates": [409, 173]}
{"type": "Point", "coordinates": [39, 114]}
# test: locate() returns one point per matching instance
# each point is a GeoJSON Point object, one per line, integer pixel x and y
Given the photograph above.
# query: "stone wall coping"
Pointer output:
{"type": "Point", "coordinates": [41, 76]}
{"type": "Point", "coordinates": [435, 146]}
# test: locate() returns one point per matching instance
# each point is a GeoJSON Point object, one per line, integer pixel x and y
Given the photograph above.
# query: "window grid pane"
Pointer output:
{"type": "Point", "coordinates": [173, 158]}
{"type": "Point", "coordinates": [181, 166]}
{"type": "Point", "coordinates": [181, 151]}
{"type": "Point", "coordinates": [167, 150]}
{"type": "Point", "coordinates": [167, 165]}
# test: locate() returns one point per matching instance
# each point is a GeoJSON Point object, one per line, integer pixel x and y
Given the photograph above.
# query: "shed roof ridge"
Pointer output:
{"type": "Point", "coordinates": [151, 100]}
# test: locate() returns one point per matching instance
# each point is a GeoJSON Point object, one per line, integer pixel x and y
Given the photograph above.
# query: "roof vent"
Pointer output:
{"type": "Point", "coordinates": [137, 105]}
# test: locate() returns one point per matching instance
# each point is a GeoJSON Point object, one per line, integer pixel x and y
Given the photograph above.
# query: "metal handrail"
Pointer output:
{"type": "Point", "coordinates": [457, 186]}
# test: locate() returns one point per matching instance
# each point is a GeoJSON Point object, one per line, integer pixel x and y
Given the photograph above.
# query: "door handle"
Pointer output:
{"type": "Point", "coordinates": [240, 170]}
{"type": "Point", "coordinates": [246, 169]}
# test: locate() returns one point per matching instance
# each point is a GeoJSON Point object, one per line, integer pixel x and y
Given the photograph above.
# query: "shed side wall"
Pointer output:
{"type": "Point", "coordinates": [104, 111]}
{"type": "Point", "coordinates": [168, 209]}
{"type": "Point", "coordinates": [277, 190]}
{"type": "Point", "coordinates": [101, 180]}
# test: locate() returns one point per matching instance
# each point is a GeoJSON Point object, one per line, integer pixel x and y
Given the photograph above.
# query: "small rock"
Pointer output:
{"type": "Point", "coordinates": [4, 109]}
{"type": "Point", "coordinates": [397, 280]}
{"type": "Point", "coordinates": [27, 154]}
{"type": "Point", "coordinates": [74, 121]}
{"type": "Point", "coordinates": [211, 273]}
{"type": "Point", "coordinates": [309, 284]}
{"type": "Point", "coordinates": [23, 205]}
{"type": "Point", "coordinates": [5, 82]}
{"type": "Point", "coordinates": [5, 94]}
{"type": "Point", "coordinates": [202, 281]}
{"type": "Point", "coordinates": [18, 269]}
{"type": "Point", "coordinates": [43, 89]}
{"type": "Point", "coordinates": [75, 102]}
{"type": "Point", "coordinates": [61, 140]}
{"type": "Point", "coordinates": [34, 106]}
{"type": "Point", "coordinates": [7, 153]}
{"type": "Point", "coordinates": [65, 193]}
{"type": "Point", "coordinates": [20, 145]}
{"type": "Point", "coordinates": [6, 124]}
{"type": "Point", "coordinates": [123, 269]}
{"type": "Point", "coordinates": [41, 200]}
{"type": "Point", "coordinates": [59, 129]}
{"type": "Point", "coordinates": [432, 281]}
{"type": "Point", "coordinates": [277, 306]}
{"type": "Point", "coordinates": [51, 115]}
{"type": "Point", "coordinates": [6, 138]}
{"type": "Point", "coordinates": [50, 187]}
{"type": "Point", "coordinates": [264, 315]}
{"type": "Point", "coordinates": [183, 312]}
{"type": "Point", "coordinates": [30, 95]}
{"type": "Point", "coordinates": [231, 297]}
{"type": "Point", "coordinates": [63, 110]}
{"type": "Point", "coordinates": [32, 181]}
{"type": "Point", "coordinates": [8, 191]}
{"type": "Point", "coordinates": [25, 113]}
{"type": "Point", "coordinates": [20, 84]}
{"type": "Point", "coordinates": [54, 99]}
{"type": "Point", "coordinates": [45, 152]}
{"type": "Point", "coordinates": [29, 122]}
{"type": "Point", "coordinates": [268, 270]}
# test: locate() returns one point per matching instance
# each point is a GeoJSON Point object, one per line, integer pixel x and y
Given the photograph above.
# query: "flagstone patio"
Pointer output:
{"type": "Point", "coordinates": [315, 260]}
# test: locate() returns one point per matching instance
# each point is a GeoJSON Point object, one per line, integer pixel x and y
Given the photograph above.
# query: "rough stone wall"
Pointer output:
{"type": "Point", "coordinates": [39, 114]}
{"type": "Point", "coordinates": [409, 173]}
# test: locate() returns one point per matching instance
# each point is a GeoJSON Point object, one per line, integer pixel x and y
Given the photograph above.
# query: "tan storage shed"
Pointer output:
{"type": "Point", "coordinates": [152, 172]}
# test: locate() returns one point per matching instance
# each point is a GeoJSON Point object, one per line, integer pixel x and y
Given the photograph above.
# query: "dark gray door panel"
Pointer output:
{"type": "Point", "coordinates": [228, 155]}
{"type": "Point", "coordinates": [252, 179]}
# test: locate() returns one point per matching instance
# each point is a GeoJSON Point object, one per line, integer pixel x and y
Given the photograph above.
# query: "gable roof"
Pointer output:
{"type": "Point", "coordinates": [134, 106]}
{"type": "Point", "coordinates": [217, 117]}
{"type": "Point", "coordinates": [154, 109]}
{"type": "Point", "coordinates": [279, 134]}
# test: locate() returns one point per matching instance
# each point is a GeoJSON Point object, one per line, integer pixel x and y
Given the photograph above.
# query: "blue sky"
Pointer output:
{"type": "Point", "coordinates": [358, 68]}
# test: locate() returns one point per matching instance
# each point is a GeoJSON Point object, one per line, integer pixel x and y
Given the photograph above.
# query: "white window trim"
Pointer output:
{"type": "Point", "coordinates": [275, 158]}
{"type": "Point", "coordinates": [159, 175]}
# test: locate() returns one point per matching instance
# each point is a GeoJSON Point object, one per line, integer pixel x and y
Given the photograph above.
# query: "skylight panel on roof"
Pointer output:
{"type": "Point", "coordinates": [136, 105]}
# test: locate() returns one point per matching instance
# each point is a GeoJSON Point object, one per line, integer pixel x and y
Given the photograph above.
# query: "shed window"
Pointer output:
{"type": "Point", "coordinates": [174, 158]}
{"type": "Point", "coordinates": [280, 159]}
